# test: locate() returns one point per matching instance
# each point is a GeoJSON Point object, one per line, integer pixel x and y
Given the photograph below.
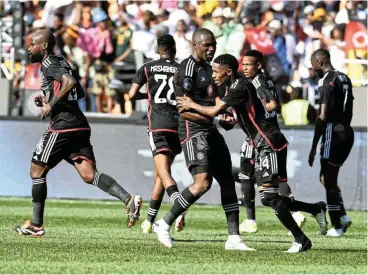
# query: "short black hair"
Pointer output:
{"type": "Point", "coordinates": [256, 54]}
{"type": "Point", "coordinates": [229, 60]}
{"type": "Point", "coordinates": [59, 15]}
{"type": "Point", "coordinates": [197, 35]}
{"type": "Point", "coordinates": [321, 53]}
{"type": "Point", "coordinates": [166, 41]}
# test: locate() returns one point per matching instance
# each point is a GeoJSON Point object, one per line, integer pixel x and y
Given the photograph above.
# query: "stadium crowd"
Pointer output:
{"type": "Point", "coordinates": [105, 41]}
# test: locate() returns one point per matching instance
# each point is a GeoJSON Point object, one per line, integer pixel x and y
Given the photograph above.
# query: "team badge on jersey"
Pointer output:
{"type": "Point", "coordinates": [200, 156]}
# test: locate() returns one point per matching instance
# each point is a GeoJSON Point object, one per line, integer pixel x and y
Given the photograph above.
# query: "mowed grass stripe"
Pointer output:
{"type": "Point", "coordinates": [91, 237]}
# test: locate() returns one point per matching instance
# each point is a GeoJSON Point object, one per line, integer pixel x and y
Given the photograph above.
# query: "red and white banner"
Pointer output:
{"type": "Point", "coordinates": [356, 36]}
{"type": "Point", "coordinates": [260, 40]}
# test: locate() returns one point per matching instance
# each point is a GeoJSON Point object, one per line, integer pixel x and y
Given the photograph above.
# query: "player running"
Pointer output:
{"type": "Point", "coordinates": [162, 124]}
{"type": "Point", "coordinates": [333, 124]}
{"type": "Point", "coordinates": [206, 152]}
{"type": "Point", "coordinates": [266, 92]}
{"type": "Point", "coordinates": [266, 138]}
{"type": "Point", "coordinates": [67, 138]}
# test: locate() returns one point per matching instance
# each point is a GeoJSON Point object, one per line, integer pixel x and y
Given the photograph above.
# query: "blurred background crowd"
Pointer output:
{"type": "Point", "coordinates": [107, 41]}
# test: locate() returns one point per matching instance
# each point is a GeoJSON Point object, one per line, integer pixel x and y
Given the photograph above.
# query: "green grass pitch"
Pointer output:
{"type": "Point", "coordinates": [91, 237]}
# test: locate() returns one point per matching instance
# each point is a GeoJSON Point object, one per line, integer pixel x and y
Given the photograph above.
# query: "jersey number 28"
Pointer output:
{"type": "Point", "coordinates": [163, 79]}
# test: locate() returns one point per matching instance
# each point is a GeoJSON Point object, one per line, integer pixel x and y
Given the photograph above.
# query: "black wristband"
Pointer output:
{"type": "Point", "coordinates": [54, 101]}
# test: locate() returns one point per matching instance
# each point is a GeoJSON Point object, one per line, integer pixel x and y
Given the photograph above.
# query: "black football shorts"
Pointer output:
{"type": "Point", "coordinates": [55, 146]}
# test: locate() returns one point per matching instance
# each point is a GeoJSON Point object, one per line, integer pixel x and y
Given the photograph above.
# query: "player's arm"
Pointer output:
{"type": "Point", "coordinates": [270, 101]}
{"type": "Point", "coordinates": [68, 82]}
{"type": "Point", "coordinates": [186, 104]}
{"type": "Point", "coordinates": [138, 81]}
{"type": "Point", "coordinates": [196, 117]}
{"type": "Point", "coordinates": [272, 106]}
{"type": "Point", "coordinates": [321, 125]}
{"type": "Point", "coordinates": [135, 93]}
{"type": "Point", "coordinates": [182, 87]}
{"type": "Point", "coordinates": [321, 122]}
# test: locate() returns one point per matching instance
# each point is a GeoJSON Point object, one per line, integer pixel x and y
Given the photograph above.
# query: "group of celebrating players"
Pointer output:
{"type": "Point", "coordinates": [186, 103]}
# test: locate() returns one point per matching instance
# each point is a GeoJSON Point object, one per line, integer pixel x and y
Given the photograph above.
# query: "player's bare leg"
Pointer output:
{"type": "Point", "coordinates": [35, 226]}
{"type": "Point", "coordinates": [90, 175]}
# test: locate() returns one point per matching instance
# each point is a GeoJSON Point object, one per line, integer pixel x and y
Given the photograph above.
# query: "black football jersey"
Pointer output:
{"type": "Point", "coordinates": [194, 79]}
{"type": "Point", "coordinates": [66, 113]}
{"type": "Point", "coordinates": [242, 96]}
{"type": "Point", "coordinates": [158, 76]}
{"type": "Point", "coordinates": [336, 91]}
{"type": "Point", "coordinates": [266, 92]}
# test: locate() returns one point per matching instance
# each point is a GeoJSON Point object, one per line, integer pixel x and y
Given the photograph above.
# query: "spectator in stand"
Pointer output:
{"type": "Point", "coordinates": [298, 111]}
{"type": "Point", "coordinates": [78, 59]}
{"type": "Point", "coordinates": [349, 11]}
{"type": "Point", "coordinates": [298, 28]}
{"type": "Point", "coordinates": [183, 40]}
{"type": "Point", "coordinates": [86, 17]}
{"type": "Point", "coordinates": [279, 43]}
{"type": "Point", "coordinates": [229, 35]}
{"type": "Point", "coordinates": [336, 46]}
{"type": "Point", "coordinates": [101, 63]}
{"type": "Point", "coordinates": [290, 41]}
{"type": "Point", "coordinates": [216, 24]}
{"type": "Point", "coordinates": [123, 36]}
{"type": "Point", "coordinates": [85, 23]}
{"type": "Point", "coordinates": [144, 39]}
{"type": "Point", "coordinates": [162, 16]}
{"type": "Point", "coordinates": [58, 29]}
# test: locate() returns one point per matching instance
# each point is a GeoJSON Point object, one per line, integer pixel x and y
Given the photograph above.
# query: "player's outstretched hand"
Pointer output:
{"type": "Point", "coordinates": [184, 103]}
{"type": "Point", "coordinates": [40, 101]}
{"type": "Point", "coordinates": [45, 111]}
{"type": "Point", "coordinates": [312, 154]}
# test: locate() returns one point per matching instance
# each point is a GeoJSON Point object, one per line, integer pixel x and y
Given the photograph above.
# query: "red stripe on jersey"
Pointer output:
{"type": "Point", "coordinates": [68, 130]}
{"type": "Point", "coordinates": [187, 132]}
{"type": "Point", "coordinates": [57, 86]}
{"type": "Point", "coordinates": [149, 100]}
{"type": "Point", "coordinates": [251, 114]}
{"type": "Point", "coordinates": [249, 104]}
